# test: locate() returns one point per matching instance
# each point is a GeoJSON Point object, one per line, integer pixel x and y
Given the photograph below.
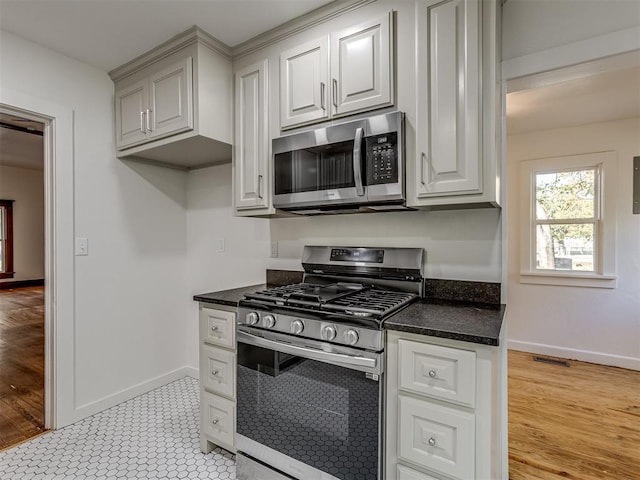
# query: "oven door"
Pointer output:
{"type": "Point", "coordinates": [310, 410]}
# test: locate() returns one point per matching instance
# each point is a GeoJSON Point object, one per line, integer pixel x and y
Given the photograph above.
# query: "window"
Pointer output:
{"type": "Point", "coordinates": [6, 238]}
{"type": "Point", "coordinates": [568, 221]}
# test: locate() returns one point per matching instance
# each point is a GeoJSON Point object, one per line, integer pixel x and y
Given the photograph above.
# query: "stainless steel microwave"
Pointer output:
{"type": "Point", "coordinates": [351, 167]}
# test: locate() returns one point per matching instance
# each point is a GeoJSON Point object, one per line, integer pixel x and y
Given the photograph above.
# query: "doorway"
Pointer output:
{"type": "Point", "coordinates": [572, 311]}
{"type": "Point", "coordinates": [22, 279]}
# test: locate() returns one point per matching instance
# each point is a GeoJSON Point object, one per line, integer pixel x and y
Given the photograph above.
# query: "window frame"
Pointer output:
{"type": "Point", "coordinates": [604, 220]}
{"type": "Point", "coordinates": [7, 249]}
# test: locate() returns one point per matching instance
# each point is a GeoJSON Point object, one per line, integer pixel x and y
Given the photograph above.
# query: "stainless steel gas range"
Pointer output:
{"type": "Point", "coordinates": [311, 365]}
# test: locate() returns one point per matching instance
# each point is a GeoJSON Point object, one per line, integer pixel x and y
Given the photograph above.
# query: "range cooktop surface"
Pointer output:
{"type": "Point", "coordinates": [351, 299]}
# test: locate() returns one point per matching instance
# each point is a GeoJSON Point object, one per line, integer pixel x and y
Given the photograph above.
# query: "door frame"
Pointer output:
{"type": "Point", "coordinates": [59, 401]}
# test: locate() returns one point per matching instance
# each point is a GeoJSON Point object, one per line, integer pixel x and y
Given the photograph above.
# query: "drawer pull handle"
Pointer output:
{"type": "Point", "coordinates": [214, 373]}
{"type": "Point", "coordinates": [215, 421]}
{"type": "Point", "coordinates": [431, 442]}
{"type": "Point", "coordinates": [432, 373]}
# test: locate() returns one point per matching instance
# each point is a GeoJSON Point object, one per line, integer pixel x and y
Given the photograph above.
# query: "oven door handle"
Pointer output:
{"type": "Point", "coordinates": [307, 352]}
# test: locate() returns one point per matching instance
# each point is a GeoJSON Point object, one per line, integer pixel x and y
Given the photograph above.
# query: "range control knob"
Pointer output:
{"type": "Point", "coordinates": [269, 321]}
{"type": "Point", "coordinates": [351, 337]}
{"type": "Point", "coordinates": [328, 332]}
{"type": "Point", "coordinates": [252, 318]}
{"type": "Point", "coordinates": [297, 327]}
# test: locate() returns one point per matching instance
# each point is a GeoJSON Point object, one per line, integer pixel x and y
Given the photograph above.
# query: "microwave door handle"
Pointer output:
{"type": "Point", "coordinates": [357, 162]}
{"type": "Point", "coordinates": [306, 352]}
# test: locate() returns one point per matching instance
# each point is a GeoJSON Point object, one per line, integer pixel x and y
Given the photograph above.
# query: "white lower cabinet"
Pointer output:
{"type": "Point", "coordinates": [446, 409]}
{"type": "Point", "coordinates": [406, 473]}
{"type": "Point", "coordinates": [217, 378]}
{"type": "Point", "coordinates": [439, 438]}
{"type": "Point", "coordinates": [217, 420]}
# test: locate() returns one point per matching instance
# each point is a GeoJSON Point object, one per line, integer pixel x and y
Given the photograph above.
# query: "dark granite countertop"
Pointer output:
{"type": "Point", "coordinates": [228, 297]}
{"type": "Point", "coordinates": [437, 316]}
{"type": "Point", "coordinates": [231, 297]}
{"type": "Point", "coordinates": [464, 322]}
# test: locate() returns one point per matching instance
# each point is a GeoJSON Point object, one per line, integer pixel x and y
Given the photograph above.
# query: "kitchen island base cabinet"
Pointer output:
{"type": "Point", "coordinates": [217, 378]}
{"type": "Point", "coordinates": [446, 409]}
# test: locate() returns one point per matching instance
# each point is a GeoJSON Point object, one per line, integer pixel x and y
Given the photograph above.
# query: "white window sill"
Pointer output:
{"type": "Point", "coordinates": [589, 280]}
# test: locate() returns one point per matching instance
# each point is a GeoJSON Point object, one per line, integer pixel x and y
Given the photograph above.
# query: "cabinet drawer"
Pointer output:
{"type": "Point", "coordinates": [406, 473]}
{"type": "Point", "coordinates": [218, 419]}
{"type": "Point", "coordinates": [440, 372]}
{"type": "Point", "coordinates": [438, 438]}
{"type": "Point", "coordinates": [218, 327]}
{"type": "Point", "coordinates": [218, 370]}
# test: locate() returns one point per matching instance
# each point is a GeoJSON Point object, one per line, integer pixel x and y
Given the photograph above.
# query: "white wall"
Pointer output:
{"type": "Point", "coordinates": [130, 315]}
{"type": "Point", "coordinates": [209, 220]}
{"type": "Point", "coordinates": [592, 324]}
{"type": "Point", "coordinates": [531, 26]}
{"type": "Point", "coordinates": [459, 244]}
{"type": "Point", "coordinates": [26, 187]}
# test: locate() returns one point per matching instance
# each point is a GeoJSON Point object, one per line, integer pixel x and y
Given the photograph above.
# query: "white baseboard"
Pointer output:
{"type": "Point", "coordinates": [192, 372]}
{"type": "Point", "coordinates": [574, 354]}
{"type": "Point", "coordinates": [97, 406]}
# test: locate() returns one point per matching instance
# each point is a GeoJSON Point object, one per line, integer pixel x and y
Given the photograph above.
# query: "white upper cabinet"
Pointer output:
{"type": "Point", "coordinates": [343, 73]}
{"type": "Point", "coordinates": [174, 104]}
{"type": "Point", "coordinates": [131, 105]}
{"type": "Point", "coordinates": [251, 157]}
{"type": "Point", "coordinates": [155, 107]}
{"type": "Point", "coordinates": [362, 67]}
{"type": "Point", "coordinates": [171, 99]}
{"type": "Point", "coordinates": [448, 87]}
{"type": "Point", "coordinates": [304, 76]}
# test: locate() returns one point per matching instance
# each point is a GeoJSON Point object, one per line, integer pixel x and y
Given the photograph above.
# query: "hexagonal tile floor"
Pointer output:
{"type": "Point", "coordinates": [153, 436]}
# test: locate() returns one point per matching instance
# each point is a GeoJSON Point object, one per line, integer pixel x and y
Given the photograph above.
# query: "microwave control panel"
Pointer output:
{"type": "Point", "coordinates": [382, 158]}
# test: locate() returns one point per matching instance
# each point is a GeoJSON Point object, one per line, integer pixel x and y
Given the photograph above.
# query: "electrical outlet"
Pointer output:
{"type": "Point", "coordinates": [274, 250]}
{"type": "Point", "coordinates": [82, 246]}
{"type": "Point", "coordinates": [222, 245]}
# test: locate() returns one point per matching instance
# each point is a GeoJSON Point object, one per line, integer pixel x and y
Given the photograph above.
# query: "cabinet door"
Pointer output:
{"type": "Point", "coordinates": [251, 154]}
{"type": "Point", "coordinates": [171, 100]}
{"type": "Point", "coordinates": [437, 438]}
{"type": "Point", "coordinates": [218, 327]}
{"type": "Point", "coordinates": [218, 420]}
{"type": "Point", "coordinates": [304, 74]}
{"type": "Point", "coordinates": [131, 103]}
{"type": "Point", "coordinates": [406, 473]}
{"type": "Point", "coordinates": [218, 371]}
{"type": "Point", "coordinates": [445, 373]}
{"type": "Point", "coordinates": [448, 94]}
{"type": "Point", "coordinates": [362, 66]}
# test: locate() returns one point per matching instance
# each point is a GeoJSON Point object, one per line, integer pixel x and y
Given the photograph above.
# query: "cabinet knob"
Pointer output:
{"type": "Point", "coordinates": [431, 442]}
{"type": "Point", "coordinates": [432, 373]}
{"type": "Point", "coordinates": [215, 421]}
{"type": "Point", "coordinates": [214, 328]}
{"type": "Point", "coordinates": [215, 373]}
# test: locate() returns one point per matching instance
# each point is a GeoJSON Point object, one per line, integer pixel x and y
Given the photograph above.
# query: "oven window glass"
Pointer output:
{"type": "Point", "coordinates": [323, 415]}
{"type": "Point", "coordinates": [324, 167]}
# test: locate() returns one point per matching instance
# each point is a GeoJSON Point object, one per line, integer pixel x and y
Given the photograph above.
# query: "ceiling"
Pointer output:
{"type": "Point", "coordinates": [23, 146]}
{"type": "Point", "coordinates": [588, 93]}
{"type": "Point", "coordinates": [109, 33]}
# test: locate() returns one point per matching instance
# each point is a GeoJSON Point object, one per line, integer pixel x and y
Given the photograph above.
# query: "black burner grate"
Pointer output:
{"type": "Point", "coordinates": [372, 302]}
{"type": "Point", "coordinates": [350, 299]}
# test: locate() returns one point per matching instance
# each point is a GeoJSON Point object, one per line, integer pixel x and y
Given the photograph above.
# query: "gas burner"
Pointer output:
{"type": "Point", "coordinates": [347, 306]}
{"type": "Point", "coordinates": [345, 298]}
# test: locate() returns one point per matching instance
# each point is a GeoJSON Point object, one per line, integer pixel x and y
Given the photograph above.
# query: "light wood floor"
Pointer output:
{"type": "Point", "coordinates": [577, 422]}
{"type": "Point", "coordinates": [21, 364]}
